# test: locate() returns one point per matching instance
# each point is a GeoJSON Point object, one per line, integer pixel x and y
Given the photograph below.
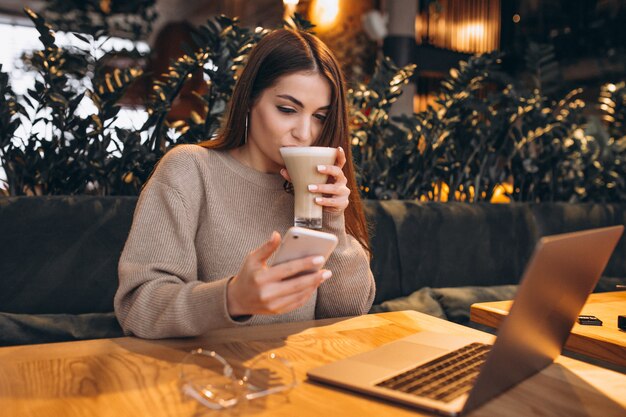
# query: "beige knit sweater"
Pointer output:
{"type": "Point", "coordinates": [198, 217]}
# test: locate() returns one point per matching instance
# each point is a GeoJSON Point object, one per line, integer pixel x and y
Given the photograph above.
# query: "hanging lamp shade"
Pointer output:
{"type": "Point", "coordinates": [471, 26]}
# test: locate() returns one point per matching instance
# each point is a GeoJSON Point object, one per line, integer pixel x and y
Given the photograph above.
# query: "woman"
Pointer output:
{"type": "Point", "coordinates": [196, 257]}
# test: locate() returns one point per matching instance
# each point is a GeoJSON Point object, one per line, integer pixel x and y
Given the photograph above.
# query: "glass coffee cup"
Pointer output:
{"type": "Point", "coordinates": [302, 163]}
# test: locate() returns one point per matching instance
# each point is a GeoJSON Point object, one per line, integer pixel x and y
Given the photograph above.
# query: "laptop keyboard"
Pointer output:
{"type": "Point", "coordinates": [444, 378]}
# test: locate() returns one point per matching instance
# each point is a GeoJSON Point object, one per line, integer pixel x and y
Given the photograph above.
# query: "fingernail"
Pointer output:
{"type": "Point", "coordinates": [321, 168]}
{"type": "Point", "coordinates": [326, 275]}
{"type": "Point", "coordinates": [312, 187]}
{"type": "Point", "coordinates": [318, 199]}
{"type": "Point", "coordinates": [340, 149]}
{"type": "Point", "coordinates": [318, 260]}
{"type": "Point", "coordinates": [282, 171]}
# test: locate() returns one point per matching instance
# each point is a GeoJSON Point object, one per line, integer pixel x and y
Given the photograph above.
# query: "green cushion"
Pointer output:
{"type": "Point", "coordinates": [385, 263]}
{"type": "Point", "coordinates": [421, 300]}
{"type": "Point", "coordinates": [60, 253]}
{"type": "Point", "coordinates": [21, 329]}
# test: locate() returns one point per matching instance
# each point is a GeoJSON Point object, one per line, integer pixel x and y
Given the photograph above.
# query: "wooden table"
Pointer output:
{"type": "Point", "coordinates": [606, 342]}
{"type": "Point", "coordinates": [132, 377]}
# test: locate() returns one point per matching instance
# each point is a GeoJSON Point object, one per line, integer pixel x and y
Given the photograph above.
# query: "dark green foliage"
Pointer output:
{"type": "Point", "coordinates": [613, 105]}
{"type": "Point", "coordinates": [547, 165]}
{"type": "Point", "coordinates": [605, 159]}
{"type": "Point", "coordinates": [96, 17]}
{"type": "Point", "coordinates": [485, 130]}
{"type": "Point", "coordinates": [394, 158]}
{"type": "Point", "coordinates": [472, 126]}
{"type": "Point", "coordinates": [65, 153]}
{"type": "Point", "coordinates": [10, 111]}
{"type": "Point", "coordinates": [543, 68]}
{"type": "Point", "coordinates": [298, 22]}
{"type": "Point", "coordinates": [221, 47]}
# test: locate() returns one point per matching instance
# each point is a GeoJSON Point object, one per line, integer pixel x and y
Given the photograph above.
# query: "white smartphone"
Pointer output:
{"type": "Point", "coordinates": [300, 242]}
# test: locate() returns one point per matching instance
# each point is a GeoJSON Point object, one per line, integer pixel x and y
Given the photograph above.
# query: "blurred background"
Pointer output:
{"type": "Point", "coordinates": [586, 35]}
{"type": "Point", "coordinates": [534, 88]}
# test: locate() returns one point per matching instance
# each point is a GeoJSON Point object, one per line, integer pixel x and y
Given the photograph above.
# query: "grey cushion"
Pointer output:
{"type": "Point", "coordinates": [21, 329]}
{"type": "Point", "coordinates": [456, 302]}
{"type": "Point", "coordinates": [421, 300]}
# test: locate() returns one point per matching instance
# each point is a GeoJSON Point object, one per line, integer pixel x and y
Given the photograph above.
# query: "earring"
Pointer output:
{"type": "Point", "coordinates": [288, 187]}
{"type": "Point", "coordinates": [245, 136]}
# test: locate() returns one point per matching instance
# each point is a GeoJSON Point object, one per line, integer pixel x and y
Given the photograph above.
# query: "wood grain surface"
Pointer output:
{"type": "Point", "coordinates": [606, 342]}
{"type": "Point", "coordinates": [134, 377]}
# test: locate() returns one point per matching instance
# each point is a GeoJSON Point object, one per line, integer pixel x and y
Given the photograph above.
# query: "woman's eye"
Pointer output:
{"type": "Point", "coordinates": [320, 117]}
{"type": "Point", "coordinates": [286, 109]}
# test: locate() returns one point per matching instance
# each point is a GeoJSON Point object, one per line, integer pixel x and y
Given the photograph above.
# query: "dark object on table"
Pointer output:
{"type": "Point", "coordinates": [589, 321]}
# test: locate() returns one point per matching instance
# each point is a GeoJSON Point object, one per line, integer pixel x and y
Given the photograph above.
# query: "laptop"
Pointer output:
{"type": "Point", "coordinates": [453, 375]}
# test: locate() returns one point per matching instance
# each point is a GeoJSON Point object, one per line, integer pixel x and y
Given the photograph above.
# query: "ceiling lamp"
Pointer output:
{"type": "Point", "coordinates": [324, 12]}
{"type": "Point", "coordinates": [290, 9]}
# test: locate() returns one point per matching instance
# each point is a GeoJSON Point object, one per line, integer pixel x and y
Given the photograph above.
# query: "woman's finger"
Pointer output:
{"type": "Point", "coordinates": [285, 174]}
{"type": "Point", "coordinates": [290, 303]}
{"type": "Point", "coordinates": [333, 203]}
{"type": "Point", "coordinates": [335, 189]}
{"type": "Point", "coordinates": [341, 157]}
{"type": "Point", "coordinates": [308, 282]}
{"type": "Point", "coordinates": [295, 293]}
{"type": "Point", "coordinates": [296, 267]}
{"type": "Point", "coordinates": [334, 171]}
{"type": "Point", "coordinates": [261, 254]}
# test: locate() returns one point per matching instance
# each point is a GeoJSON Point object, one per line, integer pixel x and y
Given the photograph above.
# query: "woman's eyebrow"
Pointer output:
{"type": "Point", "coordinates": [298, 102]}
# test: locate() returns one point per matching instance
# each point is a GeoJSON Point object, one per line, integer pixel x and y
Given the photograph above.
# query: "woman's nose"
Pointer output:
{"type": "Point", "coordinates": [302, 130]}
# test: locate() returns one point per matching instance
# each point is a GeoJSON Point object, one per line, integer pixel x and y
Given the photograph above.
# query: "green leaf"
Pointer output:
{"type": "Point", "coordinates": [81, 37]}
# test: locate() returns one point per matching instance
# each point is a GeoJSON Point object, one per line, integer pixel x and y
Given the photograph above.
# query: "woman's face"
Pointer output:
{"type": "Point", "coordinates": [289, 113]}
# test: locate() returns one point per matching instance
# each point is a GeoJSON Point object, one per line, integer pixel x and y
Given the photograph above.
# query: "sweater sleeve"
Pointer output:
{"type": "Point", "coordinates": [351, 289]}
{"type": "Point", "coordinates": [159, 292]}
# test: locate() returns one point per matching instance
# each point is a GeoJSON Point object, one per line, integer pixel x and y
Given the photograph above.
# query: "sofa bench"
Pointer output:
{"type": "Point", "coordinates": [58, 258]}
{"type": "Point", "coordinates": [439, 258]}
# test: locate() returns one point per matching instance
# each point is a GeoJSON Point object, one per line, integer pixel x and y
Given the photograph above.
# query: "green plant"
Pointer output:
{"type": "Point", "coordinates": [219, 50]}
{"type": "Point", "coordinates": [10, 111]}
{"type": "Point", "coordinates": [605, 159]}
{"type": "Point", "coordinates": [133, 18]}
{"type": "Point", "coordinates": [485, 130]}
{"type": "Point", "coordinates": [543, 68]}
{"type": "Point", "coordinates": [387, 152]}
{"type": "Point", "coordinates": [612, 102]}
{"type": "Point", "coordinates": [481, 131]}
{"type": "Point", "coordinates": [472, 124]}
{"type": "Point", "coordinates": [64, 152]}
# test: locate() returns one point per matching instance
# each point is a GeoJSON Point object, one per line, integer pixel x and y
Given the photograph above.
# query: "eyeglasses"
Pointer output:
{"type": "Point", "coordinates": [217, 384]}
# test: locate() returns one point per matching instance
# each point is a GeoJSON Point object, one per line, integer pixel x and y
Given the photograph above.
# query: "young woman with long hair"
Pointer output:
{"type": "Point", "coordinates": [198, 251]}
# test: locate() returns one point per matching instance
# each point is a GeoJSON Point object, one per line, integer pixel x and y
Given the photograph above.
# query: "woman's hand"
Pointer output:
{"type": "Point", "coordinates": [333, 195]}
{"type": "Point", "coordinates": [261, 289]}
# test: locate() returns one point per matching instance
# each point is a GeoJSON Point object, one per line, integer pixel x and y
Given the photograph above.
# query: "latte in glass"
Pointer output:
{"type": "Point", "coordinates": [301, 163]}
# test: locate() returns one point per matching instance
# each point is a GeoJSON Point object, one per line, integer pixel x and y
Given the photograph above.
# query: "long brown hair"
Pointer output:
{"type": "Point", "coordinates": [283, 52]}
